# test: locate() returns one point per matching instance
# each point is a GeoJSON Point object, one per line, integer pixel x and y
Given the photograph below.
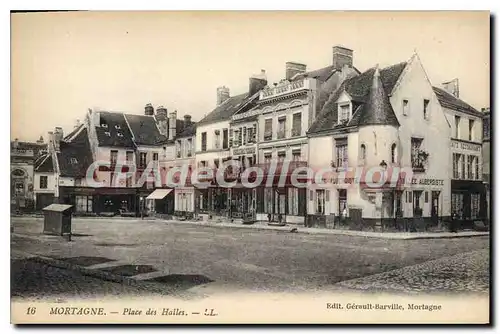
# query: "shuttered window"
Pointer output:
{"type": "Point", "coordinates": [297, 124]}
{"type": "Point", "coordinates": [268, 129]}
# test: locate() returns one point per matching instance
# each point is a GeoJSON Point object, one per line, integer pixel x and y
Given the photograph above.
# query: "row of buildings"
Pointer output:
{"type": "Point", "coordinates": [335, 116]}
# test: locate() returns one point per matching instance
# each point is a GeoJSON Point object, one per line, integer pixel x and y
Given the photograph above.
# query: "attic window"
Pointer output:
{"type": "Point", "coordinates": [344, 112]}
{"type": "Point", "coordinates": [107, 133]}
{"type": "Point", "coordinates": [104, 125]}
{"type": "Point", "coordinates": [73, 161]}
{"type": "Point", "coordinates": [119, 134]}
{"type": "Point", "coordinates": [117, 127]}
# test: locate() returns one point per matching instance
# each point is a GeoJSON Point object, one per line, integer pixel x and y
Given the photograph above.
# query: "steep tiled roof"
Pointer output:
{"type": "Point", "coordinates": [75, 156]}
{"type": "Point", "coordinates": [377, 109]}
{"type": "Point", "coordinates": [448, 100]}
{"type": "Point", "coordinates": [44, 164]}
{"type": "Point", "coordinates": [321, 74]}
{"type": "Point", "coordinates": [226, 109]}
{"type": "Point", "coordinates": [187, 131]}
{"type": "Point", "coordinates": [117, 133]}
{"type": "Point", "coordinates": [358, 88]}
{"type": "Point", "coordinates": [72, 133]}
{"type": "Point", "coordinates": [145, 130]}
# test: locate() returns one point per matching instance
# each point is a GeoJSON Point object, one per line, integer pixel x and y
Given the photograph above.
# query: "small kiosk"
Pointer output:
{"type": "Point", "coordinates": [57, 219]}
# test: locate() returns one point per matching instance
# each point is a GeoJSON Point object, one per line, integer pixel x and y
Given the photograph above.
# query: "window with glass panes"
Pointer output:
{"type": "Point", "coordinates": [341, 152]}
{"type": "Point", "coordinates": [268, 200]}
{"type": "Point", "coordinates": [457, 204]}
{"type": "Point", "coordinates": [470, 159]}
{"type": "Point", "coordinates": [297, 124]}
{"type": "Point", "coordinates": [83, 203]}
{"type": "Point", "coordinates": [142, 159]}
{"type": "Point", "coordinates": [344, 113]}
{"type": "Point", "coordinates": [320, 201]}
{"type": "Point", "coordinates": [43, 181]}
{"type": "Point", "coordinates": [281, 127]}
{"type": "Point", "coordinates": [293, 201]}
{"type": "Point", "coordinates": [268, 129]}
{"type": "Point", "coordinates": [475, 202]}
{"type": "Point", "coordinates": [456, 165]}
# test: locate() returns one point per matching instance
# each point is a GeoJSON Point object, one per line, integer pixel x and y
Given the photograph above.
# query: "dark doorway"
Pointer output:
{"type": "Point", "coordinates": [435, 207]}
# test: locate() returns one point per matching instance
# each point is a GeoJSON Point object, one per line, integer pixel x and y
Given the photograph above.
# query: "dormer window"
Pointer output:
{"type": "Point", "coordinates": [117, 127]}
{"type": "Point", "coordinates": [104, 125]}
{"type": "Point", "coordinates": [344, 113]}
{"type": "Point", "coordinates": [73, 161]}
{"type": "Point", "coordinates": [119, 134]}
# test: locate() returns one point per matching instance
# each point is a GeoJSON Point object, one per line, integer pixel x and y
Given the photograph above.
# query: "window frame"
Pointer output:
{"type": "Point", "coordinates": [45, 184]}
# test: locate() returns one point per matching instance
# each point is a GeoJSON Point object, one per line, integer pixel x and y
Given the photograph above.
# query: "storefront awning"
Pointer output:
{"type": "Point", "coordinates": [159, 194]}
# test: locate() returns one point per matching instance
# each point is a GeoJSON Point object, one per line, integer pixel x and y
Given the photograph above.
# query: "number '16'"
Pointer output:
{"type": "Point", "coordinates": [31, 310]}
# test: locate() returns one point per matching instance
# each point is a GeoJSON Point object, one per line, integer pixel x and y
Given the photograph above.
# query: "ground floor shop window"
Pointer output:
{"type": "Point", "coordinates": [268, 200]}
{"type": "Point", "coordinates": [343, 202]}
{"type": "Point", "coordinates": [399, 206]}
{"type": "Point", "coordinates": [320, 201]}
{"type": "Point", "coordinates": [475, 203]}
{"type": "Point", "coordinates": [293, 201]}
{"type": "Point", "coordinates": [83, 203]}
{"type": "Point", "coordinates": [184, 201]}
{"type": "Point", "coordinates": [457, 204]}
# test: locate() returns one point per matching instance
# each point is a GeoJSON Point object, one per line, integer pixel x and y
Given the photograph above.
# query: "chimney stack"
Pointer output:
{"type": "Point", "coordinates": [187, 120]}
{"type": "Point", "coordinates": [257, 82]}
{"type": "Point", "coordinates": [50, 145]}
{"type": "Point", "coordinates": [172, 121]}
{"type": "Point", "coordinates": [77, 124]}
{"type": "Point", "coordinates": [149, 110]}
{"type": "Point", "coordinates": [162, 120]}
{"type": "Point", "coordinates": [15, 144]}
{"type": "Point", "coordinates": [58, 136]}
{"type": "Point", "coordinates": [341, 56]}
{"type": "Point", "coordinates": [292, 69]}
{"type": "Point", "coordinates": [222, 94]}
{"type": "Point", "coordinates": [452, 87]}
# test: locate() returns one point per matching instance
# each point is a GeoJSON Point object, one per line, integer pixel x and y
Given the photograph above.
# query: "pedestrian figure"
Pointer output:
{"type": "Point", "coordinates": [344, 215]}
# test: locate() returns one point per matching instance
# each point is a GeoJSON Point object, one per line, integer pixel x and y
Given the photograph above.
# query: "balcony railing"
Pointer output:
{"type": "Point", "coordinates": [284, 87]}
{"type": "Point", "coordinates": [296, 132]}
{"type": "Point", "coordinates": [418, 161]}
{"type": "Point", "coordinates": [22, 153]}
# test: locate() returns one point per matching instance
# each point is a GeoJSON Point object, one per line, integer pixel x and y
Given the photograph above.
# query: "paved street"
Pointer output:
{"type": "Point", "coordinates": [212, 260]}
{"type": "Point", "coordinates": [36, 281]}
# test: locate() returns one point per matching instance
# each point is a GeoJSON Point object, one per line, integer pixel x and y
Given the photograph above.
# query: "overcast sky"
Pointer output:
{"type": "Point", "coordinates": [65, 63]}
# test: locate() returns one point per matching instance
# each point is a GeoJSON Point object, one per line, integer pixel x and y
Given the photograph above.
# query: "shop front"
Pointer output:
{"type": "Point", "coordinates": [468, 202]}
{"type": "Point", "coordinates": [88, 201]}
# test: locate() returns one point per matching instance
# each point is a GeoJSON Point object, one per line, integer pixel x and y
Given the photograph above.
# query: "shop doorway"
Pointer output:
{"type": "Point", "coordinates": [435, 207]}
